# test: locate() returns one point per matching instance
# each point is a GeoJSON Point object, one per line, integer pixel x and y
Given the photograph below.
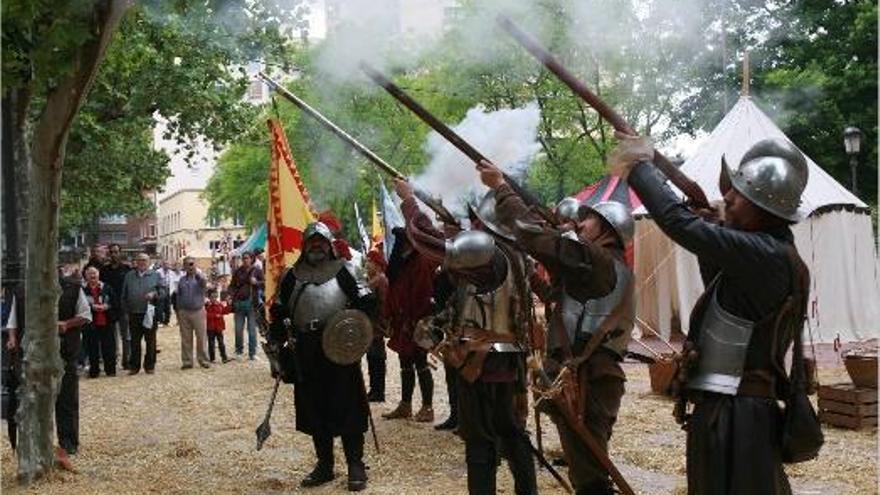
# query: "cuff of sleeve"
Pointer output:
{"type": "Point", "coordinates": [643, 173]}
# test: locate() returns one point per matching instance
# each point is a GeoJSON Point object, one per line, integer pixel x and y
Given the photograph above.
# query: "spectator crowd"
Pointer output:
{"type": "Point", "coordinates": [110, 310]}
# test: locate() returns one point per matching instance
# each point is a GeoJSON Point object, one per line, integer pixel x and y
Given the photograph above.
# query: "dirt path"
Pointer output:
{"type": "Point", "coordinates": [192, 432]}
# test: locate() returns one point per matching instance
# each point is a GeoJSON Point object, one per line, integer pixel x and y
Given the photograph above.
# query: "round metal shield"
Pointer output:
{"type": "Point", "coordinates": [347, 337]}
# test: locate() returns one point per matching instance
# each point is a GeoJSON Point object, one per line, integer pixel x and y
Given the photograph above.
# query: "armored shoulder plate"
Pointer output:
{"type": "Point", "coordinates": [582, 319]}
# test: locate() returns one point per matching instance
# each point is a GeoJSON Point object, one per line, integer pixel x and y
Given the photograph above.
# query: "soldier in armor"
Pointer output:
{"type": "Point", "coordinates": [591, 287]}
{"type": "Point", "coordinates": [329, 398]}
{"type": "Point", "coordinates": [745, 321]}
{"type": "Point", "coordinates": [485, 341]}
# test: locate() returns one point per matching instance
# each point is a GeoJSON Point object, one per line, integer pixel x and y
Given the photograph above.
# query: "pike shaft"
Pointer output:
{"type": "Point", "coordinates": [683, 182]}
{"type": "Point", "coordinates": [330, 126]}
{"type": "Point", "coordinates": [426, 198]}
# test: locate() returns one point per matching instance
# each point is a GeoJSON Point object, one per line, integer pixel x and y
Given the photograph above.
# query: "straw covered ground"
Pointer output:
{"type": "Point", "coordinates": [192, 432]}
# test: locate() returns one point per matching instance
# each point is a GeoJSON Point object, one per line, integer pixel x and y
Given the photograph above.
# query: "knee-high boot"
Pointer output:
{"type": "Point", "coordinates": [353, 445]}
{"type": "Point", "coordinates": [323, 472]}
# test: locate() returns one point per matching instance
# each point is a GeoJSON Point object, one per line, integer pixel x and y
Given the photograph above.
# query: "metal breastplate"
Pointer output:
{"type": "Point", "coordinates": [491, 311]}
{"type": "Point", "coordinates": [313, 304]}
{"type": "Point", "coordinates": [582, 319]}
{"type": "Point", "coordinates": [723, 342]}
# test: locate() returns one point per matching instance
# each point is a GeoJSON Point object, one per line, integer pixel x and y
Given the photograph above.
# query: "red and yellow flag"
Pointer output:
{"type": "Point", "coordinates": [290, 210]}
{"type": "Point", "coordinates": [377, 232]}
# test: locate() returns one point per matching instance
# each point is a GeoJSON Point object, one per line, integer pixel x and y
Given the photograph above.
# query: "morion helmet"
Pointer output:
{"type": "Point", "coordinates": [485, 213]}
{"type": "Point", "coordinates": [618, 215]}
{"type": "Point", "coordinates": [320, 229]}
{"type": "Point", "coordinates": [773, 175]}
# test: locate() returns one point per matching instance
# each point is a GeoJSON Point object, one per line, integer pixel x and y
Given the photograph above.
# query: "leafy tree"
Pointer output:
{"type": "Point", "coordinates": [52, 53]}
{"type": "Point", "coordinates": [182, 60]}
{"type": "Point", "coordinates": [452, 78]}
{"type": "Point", "coordinates": [814, 69]}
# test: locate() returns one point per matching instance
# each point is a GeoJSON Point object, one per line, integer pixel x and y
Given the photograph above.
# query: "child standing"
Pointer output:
{"type": "Point", "coordinates": [215, 309]}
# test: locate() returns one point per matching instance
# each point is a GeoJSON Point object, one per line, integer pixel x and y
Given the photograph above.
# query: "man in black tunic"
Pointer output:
{"type": "Point", "coordinates": [754, 280]}
{"type": "Point", "coordinates": [329, 398]}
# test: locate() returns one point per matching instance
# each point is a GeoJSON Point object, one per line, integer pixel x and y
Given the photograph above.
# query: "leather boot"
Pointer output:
{"type": "Point", "coordinates": [402, 411]}
{"type": "Point", "coordinates": [353, 446]}
{"type": "Point", "coordinates": [426, 387]}
{"type": "Point", "coordinates": [407, 385]}
{"type": "Point", "coordinates": [425, 414]}
{"type": "Point", "coordinates": [323, 472]}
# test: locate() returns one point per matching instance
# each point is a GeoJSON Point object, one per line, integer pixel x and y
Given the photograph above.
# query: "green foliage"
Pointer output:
{"type": "Point", "coordinates": [814, 67]}
{"type": "Point", "coordinates": [450, 79]}
{"type": "Point", "coordinates": [661, 70]}
{"type": "Point", "coordinates": [184, 61]}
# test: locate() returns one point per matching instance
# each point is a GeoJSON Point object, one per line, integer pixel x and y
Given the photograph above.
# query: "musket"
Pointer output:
{"type": "Point", "coordinates": [539, 455]}
{"type": "Point", "coordinates": [444, 214]}
{"type": "Point", "coordinates": [690, 188]}
{"type": "Point", "coordinates": [574, 424]}
{"type": "Point", "coordinates": [453, 138]}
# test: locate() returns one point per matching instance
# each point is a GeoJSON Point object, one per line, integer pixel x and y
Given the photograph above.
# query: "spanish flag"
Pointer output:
{"type": "Point", "coordinates": [290, 210]}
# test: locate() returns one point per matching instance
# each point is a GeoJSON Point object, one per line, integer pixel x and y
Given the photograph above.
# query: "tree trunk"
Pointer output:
{"type": "Point", "coordinates": [42, 363]}
{"type": "Point", "coordinates": [16, 164]}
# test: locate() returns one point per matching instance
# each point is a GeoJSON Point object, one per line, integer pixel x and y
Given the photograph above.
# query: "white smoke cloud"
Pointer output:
{"type": "Point", "coordinates": [507, 137]}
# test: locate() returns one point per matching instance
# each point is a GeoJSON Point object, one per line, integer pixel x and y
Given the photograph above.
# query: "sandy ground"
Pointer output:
{"type": "Point", "coordinates": [192, 432]}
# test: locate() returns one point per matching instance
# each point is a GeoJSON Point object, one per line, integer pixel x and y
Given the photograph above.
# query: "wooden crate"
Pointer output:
{"type": "Point", "coordinates": [848, 406]}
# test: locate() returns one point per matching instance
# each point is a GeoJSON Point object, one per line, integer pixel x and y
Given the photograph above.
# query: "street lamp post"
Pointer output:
{"type": "Point", "coordinates": [852, 143]}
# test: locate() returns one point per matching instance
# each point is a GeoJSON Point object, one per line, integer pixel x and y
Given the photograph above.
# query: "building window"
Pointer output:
{"type": "Point", "coordinates": [238, 220]}
{"type": "Point", "coordinates": [236, 243]}
{"type": "Point", "coordinates": [213, 221]}
{"type": "Point", "coordinates": [112, 220]}
{"type": "Point", "coordinates": [152, 230]}
{"type": "Point", "coordinates": [255, 90]}
{"type": "Point", "coordinates": [120, 237]}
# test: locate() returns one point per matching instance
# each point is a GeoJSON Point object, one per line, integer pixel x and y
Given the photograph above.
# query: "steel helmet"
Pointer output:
{"type": "Point", "coordinates": [618, 215]}
{"type": "Point", "coordinates": [485, 213]}
{"type": "Point", "coordinates": [773, 175]}
{"type": "Point", "coordinates": [318, 228]}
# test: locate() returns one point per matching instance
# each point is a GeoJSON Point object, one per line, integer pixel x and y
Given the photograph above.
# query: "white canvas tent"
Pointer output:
{"type": "Point", "coordinates": [836, 241]}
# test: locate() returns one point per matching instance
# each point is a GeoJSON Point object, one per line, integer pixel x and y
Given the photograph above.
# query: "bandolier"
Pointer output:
{"type": "Point", "coordinates": [745, 321]}
{"type": "Point", "coordinates": [485, 341]}
{"type": "Point", "coordinates": [591, 289]}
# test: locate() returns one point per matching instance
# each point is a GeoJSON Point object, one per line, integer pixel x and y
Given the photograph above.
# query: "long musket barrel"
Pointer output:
{"type": "Point", "coordinates": [682, 181]}
{"type": "Point", "coordinates": [445, 215]}
{"type": "Point", "coordinates": [330, 126]}
{"type": "Point", "coordinates": [450, 135]}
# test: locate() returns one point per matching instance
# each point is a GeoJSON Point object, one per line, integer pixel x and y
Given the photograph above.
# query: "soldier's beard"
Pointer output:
{"type": "Point", "coordinates": [315, 257]}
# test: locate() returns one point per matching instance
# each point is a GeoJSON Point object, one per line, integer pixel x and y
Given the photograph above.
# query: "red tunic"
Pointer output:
{"type": "Point", "coordinates": [409, 300]}
{"type": "Point", "coordinates": [215, 311]}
